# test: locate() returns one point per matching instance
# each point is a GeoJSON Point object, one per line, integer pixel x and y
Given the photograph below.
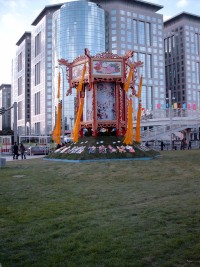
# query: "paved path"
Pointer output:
{"type": "Point", "coordinates": [10, 157]}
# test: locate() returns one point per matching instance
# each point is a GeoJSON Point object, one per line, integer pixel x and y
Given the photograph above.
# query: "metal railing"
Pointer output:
{"type": "Point", "coordinates": [165, 113]}
{"type": "Point", "coordinates": [163, 131]}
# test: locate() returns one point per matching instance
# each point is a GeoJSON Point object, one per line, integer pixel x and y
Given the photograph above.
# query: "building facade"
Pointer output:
{"type": "Point", "coordinates": [136, 25]}
{"type": "Point", "coordinates": [64, 30]}
{"type": "Point", "coordinates": [41, 72]}
{"type": "Point", "coordinates": [5, 102]}
{"type": "Point", "coordinates": [21, 83]}
{"type": "Point", "coordinates": [182, 60]}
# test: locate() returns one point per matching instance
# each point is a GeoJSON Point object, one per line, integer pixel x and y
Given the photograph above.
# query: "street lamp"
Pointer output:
{"type": "Point", "coordinates": [71, 118]}
{"type": "Point", "coordinates": [170, 115]}
{"type": "Point", "coordinates": [63, 103]}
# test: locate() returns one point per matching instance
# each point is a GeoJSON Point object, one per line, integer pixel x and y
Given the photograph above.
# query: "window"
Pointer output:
{"type": "Point", "coordinates": [142, 59]}
{"type": "Point", "coordinates": [165, 45]}
{"type": "Point", "coordinates": [149, 98]}
{"type": "Point", "coordinates": [113, 19]}
{"type": "Point", "coordinates": [149, 66]}
{"type": "Point", "coordinates": [37, 128]}
{"type": "Point", "coordinates": [129, 36]}
{"type": "Point", "coordinates": [37, 73]}
{"type": "Point", "coordinates": [19, 85]}
{"type": "Point", "coordinates": [135, 31]}
{"type": "Point", "coordinates": [113, 12]}
{"type": "Point", "coordinates": [19, 62]}
{"type": "Point", "coordinates": [169, 44]}
{"type": "Point", "coordinates": [197, 43]}
{"type": "Point", "coordinates": [19, 110]}
{"type": "Point", "coordinates": [198, 72]}
{"type": "Point", "coordinates": [37, 103]}
{"type": "Point", "coordinates": [141, 33]}
{"type": "Point", "coordinates": [129, 23]}
{"type": "Point", "coordinates": [38, 44]}
{"type": "Point", "coordinates": [148, 33]}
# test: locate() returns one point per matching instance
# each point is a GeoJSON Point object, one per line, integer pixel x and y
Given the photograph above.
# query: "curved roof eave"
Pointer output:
{"type": "Point", "coordinates": [181, 15]}
{"type": "Point", "coordinates": [142, 3]}
{"type": "Point", "coordinates": [44, 11]}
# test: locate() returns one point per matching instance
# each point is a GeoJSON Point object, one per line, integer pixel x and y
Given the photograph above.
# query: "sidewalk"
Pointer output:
{"type": "Point", "coordinates": [10, 157]}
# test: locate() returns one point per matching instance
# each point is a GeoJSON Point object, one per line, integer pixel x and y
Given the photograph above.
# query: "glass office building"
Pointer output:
{"type": "Point", "coordinates": [76, 25]}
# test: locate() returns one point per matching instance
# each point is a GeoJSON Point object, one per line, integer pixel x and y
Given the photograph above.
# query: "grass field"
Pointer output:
{"type": "Point", "coordinates": [101, 214]}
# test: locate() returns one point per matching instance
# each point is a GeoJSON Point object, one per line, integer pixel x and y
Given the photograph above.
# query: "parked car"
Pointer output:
{"type": "Point", "coordinates": [38, 150]}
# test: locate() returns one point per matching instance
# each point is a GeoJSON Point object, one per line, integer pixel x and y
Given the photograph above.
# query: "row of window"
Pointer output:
{"type": "Point", "coordinates": [135, 15]}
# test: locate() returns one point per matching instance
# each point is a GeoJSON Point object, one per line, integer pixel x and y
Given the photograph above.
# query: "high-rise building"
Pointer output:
{"type": "Point", "coordinates": [136, 25]}
{"type": "Point", "coordinates": [5, 103]}
{"type": "Point", "coordinates": [21, 83]}
{"type": "Point", "coordinates": [76, 25]}
{"type": "Point", "coordinates": [182, 60]}
{"type": "Point", "coordinates": [64, 30]}
{"type": "Point", "coordinates": [41, 72]}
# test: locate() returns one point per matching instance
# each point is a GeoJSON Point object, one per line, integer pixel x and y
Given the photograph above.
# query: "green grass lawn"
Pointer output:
{"type": "Point", "coordinates": [101, 214]}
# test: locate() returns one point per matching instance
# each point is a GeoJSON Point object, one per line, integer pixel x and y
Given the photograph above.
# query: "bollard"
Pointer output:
{"type": "Point", "coordinates": [2, 162]}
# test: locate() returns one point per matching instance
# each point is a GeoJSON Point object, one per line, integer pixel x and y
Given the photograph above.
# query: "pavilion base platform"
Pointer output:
{"type": "Point", "coordinates": [102, 147]}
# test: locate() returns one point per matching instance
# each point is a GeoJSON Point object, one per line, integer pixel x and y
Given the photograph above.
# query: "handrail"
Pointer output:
{"type": "Point", "coordinates": [167, 129]}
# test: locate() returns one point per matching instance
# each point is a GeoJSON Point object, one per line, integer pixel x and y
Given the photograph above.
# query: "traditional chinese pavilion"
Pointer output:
{"type": "Point", "coordinates": [105, 85]}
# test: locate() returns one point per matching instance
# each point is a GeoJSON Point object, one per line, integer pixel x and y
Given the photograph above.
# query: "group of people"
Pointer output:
{"type": "Point", "coordinates": [183, 146]}
{"type": "Point", "coordinates": [17, 149]}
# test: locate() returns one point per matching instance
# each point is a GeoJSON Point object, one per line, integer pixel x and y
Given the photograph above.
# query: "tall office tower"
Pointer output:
{"type": "Point", "coordinates": [76, 26]}
{"type": "Point", "coordinates": [41, 72]}
{"type": "Point", "coordinates": [21, 83]}
{"type": "Point", "coordinates": [5, 102]}
{"type": "Point", "coordinates": [135, 25]}
{"type": "Point", "coordinates": [182, 59]}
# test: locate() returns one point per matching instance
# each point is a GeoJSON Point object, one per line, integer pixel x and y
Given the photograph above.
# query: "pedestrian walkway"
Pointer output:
{"type": "Point", "coordinates": [10, 157]}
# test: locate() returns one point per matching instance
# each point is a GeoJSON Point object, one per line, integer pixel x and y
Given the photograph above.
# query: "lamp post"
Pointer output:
{"type": "Point", "coordinates": [15, 121]}
{"type": "Point", "coordinates": [71, 118]}
{"type": "Point", "coordinates": [170, 115]}
{"type": "Point", "coordinates": [63, 103]}
{"type": "Point", "coordinates": [28, 130]}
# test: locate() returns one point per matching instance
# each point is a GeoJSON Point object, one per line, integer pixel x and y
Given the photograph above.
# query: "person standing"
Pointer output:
{"type": "Point", "coordinates": [162, 145]}
{"type": "Point", "coordinates": [15, 151]}
{"type": "Point", "coordinates": [190, 145]}
{"type": "Point", "coordinates": [22, 150]}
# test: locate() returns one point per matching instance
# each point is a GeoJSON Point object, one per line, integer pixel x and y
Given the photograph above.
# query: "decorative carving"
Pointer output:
{"type": "Point", "coordinates": [87, 53]}
{"type": "Point", "coordinates": [108, 79]}
{"type": "Point", "coordinates": [63, 61]}
{"type": "Point", "coordinates": [80, 58]}
{"type": "Point", "coordinates": [106, 55]}
{"type": "Point", "coordinates": [128, 54]}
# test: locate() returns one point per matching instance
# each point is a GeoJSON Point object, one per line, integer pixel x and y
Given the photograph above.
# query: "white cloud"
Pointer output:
{"type": "Point", "coordinates": [182, 3]}
{"type": "Point", "coordinates": [165, 17]}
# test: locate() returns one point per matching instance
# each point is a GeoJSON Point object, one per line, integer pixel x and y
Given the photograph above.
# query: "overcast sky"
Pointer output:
{"type": "Point", "coordinates": [16, 17]}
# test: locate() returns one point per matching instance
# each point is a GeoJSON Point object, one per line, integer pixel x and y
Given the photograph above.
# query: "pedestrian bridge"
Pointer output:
{"type": "Point", "coordinates": [162, 124]}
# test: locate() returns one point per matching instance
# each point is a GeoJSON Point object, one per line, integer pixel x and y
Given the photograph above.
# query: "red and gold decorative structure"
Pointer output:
{"type": "Point", "coordinates": [57, 129]}
{"type": "Point", "coordinates": [105, 86]}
